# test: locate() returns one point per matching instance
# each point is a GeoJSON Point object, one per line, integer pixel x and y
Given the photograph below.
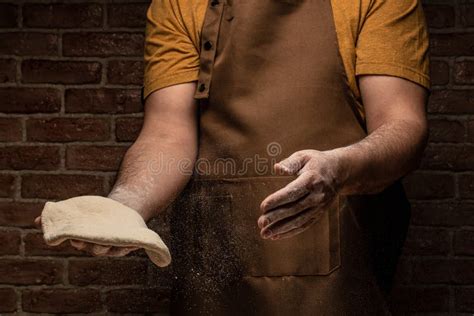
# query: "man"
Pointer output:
{"type": "Point", "coordinates": [339, 88]}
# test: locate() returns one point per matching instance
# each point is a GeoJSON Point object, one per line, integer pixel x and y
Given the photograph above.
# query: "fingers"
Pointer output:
{"type": "Point", "coordinates": [101, 250]}
{"type": "Point", "coordinates": [297, 221]}
{"type": "Point", "coordinates": [120, 251]}
{"type": "Point", "coordinates": [290, 193]}
{"type": "Point", "coordinates": [95, 249]}
{"type": "Point", "coordinates": [293, 163]}
{"type": "Point", "coordinates": [295, 231]}
{"type": "Point", "coordinates": [296, 224]}
{"type": "Point", "coordinates": [79, 245]}
{"type": "Point", "coordinates": [288, 210]}
{"type": "Point", "coordinates": [38, 222]}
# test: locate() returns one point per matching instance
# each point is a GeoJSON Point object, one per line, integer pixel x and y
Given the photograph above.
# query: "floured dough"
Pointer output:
{"type": "Point", "coordinates": [103, 221]}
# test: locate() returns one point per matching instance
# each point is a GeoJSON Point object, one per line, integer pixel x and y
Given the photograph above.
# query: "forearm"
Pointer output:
{"type": "Point", "coordinates": [152, 174]}
{"type": "Point", "coordinates": [385, 155]}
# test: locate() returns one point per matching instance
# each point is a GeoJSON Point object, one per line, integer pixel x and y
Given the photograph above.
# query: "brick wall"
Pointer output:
{"type": "Point", "coordinates": [437, 271]}
{"type": "Point", "coordinates": [70, 78]}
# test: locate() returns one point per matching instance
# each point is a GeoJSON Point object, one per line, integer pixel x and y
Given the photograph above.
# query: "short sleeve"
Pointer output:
{"type": "Point", "coordinates": [171, 53]}
{"type": "Point", "coordinates": [393, 40]}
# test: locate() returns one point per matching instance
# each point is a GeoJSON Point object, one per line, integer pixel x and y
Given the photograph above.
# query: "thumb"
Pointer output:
{"type": "Point", "coordinates": [38, 222]}
{"type": "Point", "coordinates": [292, 164]}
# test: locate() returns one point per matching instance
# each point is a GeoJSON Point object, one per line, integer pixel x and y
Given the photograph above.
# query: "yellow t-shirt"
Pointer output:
{"type": "Point", "coordinates": [385, 37]}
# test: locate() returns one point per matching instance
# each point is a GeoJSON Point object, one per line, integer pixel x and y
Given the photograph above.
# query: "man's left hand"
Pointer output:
{"type": "Point", "coordinates": [292, 209]}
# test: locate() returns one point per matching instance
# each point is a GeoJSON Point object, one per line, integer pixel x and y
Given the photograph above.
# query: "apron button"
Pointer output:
{"type": "Point", "coordinates": [207, 45]}
{"type": "Point", "coordinates": [202, 87]}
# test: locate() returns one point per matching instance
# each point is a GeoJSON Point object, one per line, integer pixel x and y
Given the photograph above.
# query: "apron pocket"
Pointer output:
{"type": "Point", "coordinates": [220, 218]}
{"type": "Point", "coordinates": [316, 251]}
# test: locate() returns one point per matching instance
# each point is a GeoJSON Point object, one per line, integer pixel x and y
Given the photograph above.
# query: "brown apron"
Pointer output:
{"type": "Point", "coordinates": [272, 83]}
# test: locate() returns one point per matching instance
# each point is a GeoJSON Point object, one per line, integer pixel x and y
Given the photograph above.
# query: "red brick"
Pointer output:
{"type": "Point", "coordinates": [421, 241]}
{"type": "Point", "coordinates": [27, 271]}
{"type": "Point", "coordinates": [7, 70]}
{"type": "Point", "coordinates": [107, 272]}
{"type": "Point", "coordinates": [442, 214]}
{"type": "Point", "coordinates": [439, 16]}
{"type": "Point", "coordinates": [138, 300]}
{"type": "Point", "coordinates": [29, 157]}
{"type": "Point", "coordinates": [449, 157]}
{"type": "Point", "coordinates": [446, 130]}
{"type": "Point", "coordinates": [60, 186]}
{"type": "Point", "coordinates": [109, 101]}
{"type": "Point", "coordinates": [467, 15]}
{"type": "Point", "coordinates": [439, 72]}
{"type": "Point", "coordinates": [65, 72]}
{"type": "Point", "coordinates": [10, 129]}
{"type": "Point", "coordinates": [464, 72]}
{"type": "Point", "coordinates": [29, 100]}
{"type": "Point", "coordinates": [35, 246]}
{"type": "Point", "coordinates": [61, 300]}
{"type": "Point", "coordinates": [448, 271]}
{"type": "Point", "coordinates": [434, 185]}
{"type": "Point", "coordinates": [8, 303]}
{"type": "Point", "coordinates": [81, 15]}
{"type": "Point", "coordinates": [19, 214]}
{"type": "Point", "coordinates": [28, 44]}
{"type": "Point", "coordinates": [464, 242]}
{"type": "Point", "coordinates": [7, 185]}
{"type": "Point", "coordinates": [8, 15]}
{"type": "Point", "coordinates": [127, 14]}
{"type": "Point", "coordinates": [470, 131]}
{"type": "Point", "coordinates": [463, 271]}
{"type": "Point", "coordinates": [9, 242]}
{"type": "Point", "coordinates": [65, 129]}
{"type": "Point", "coordinates": [420, 299]}
{"type": "Point", "coordinates": [452, 44]}
{"type": "Point", "coordinates": [452, 101]}
{"type": "Point", "coordinates": [126, 72]}
{"type": "Point", "coordinates": [106, 158]}
{"type": "Point", "coordinates": [464, 299]}
{"type": "Point", "coordinates": [103, 44]}
{"type": "Point", "coordinates": [466, 186]}
{"type": "Point", "coordinates": [128, 128]}
{"type": "Point", "coordinates": [432, 271]}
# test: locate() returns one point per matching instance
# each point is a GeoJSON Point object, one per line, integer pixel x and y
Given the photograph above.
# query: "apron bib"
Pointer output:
{"type": "Point", "coordinates": [272, 83]}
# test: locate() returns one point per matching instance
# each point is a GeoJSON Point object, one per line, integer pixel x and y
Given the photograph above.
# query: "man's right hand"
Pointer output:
{"type": "Point", "coordinates": [95, 249]}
